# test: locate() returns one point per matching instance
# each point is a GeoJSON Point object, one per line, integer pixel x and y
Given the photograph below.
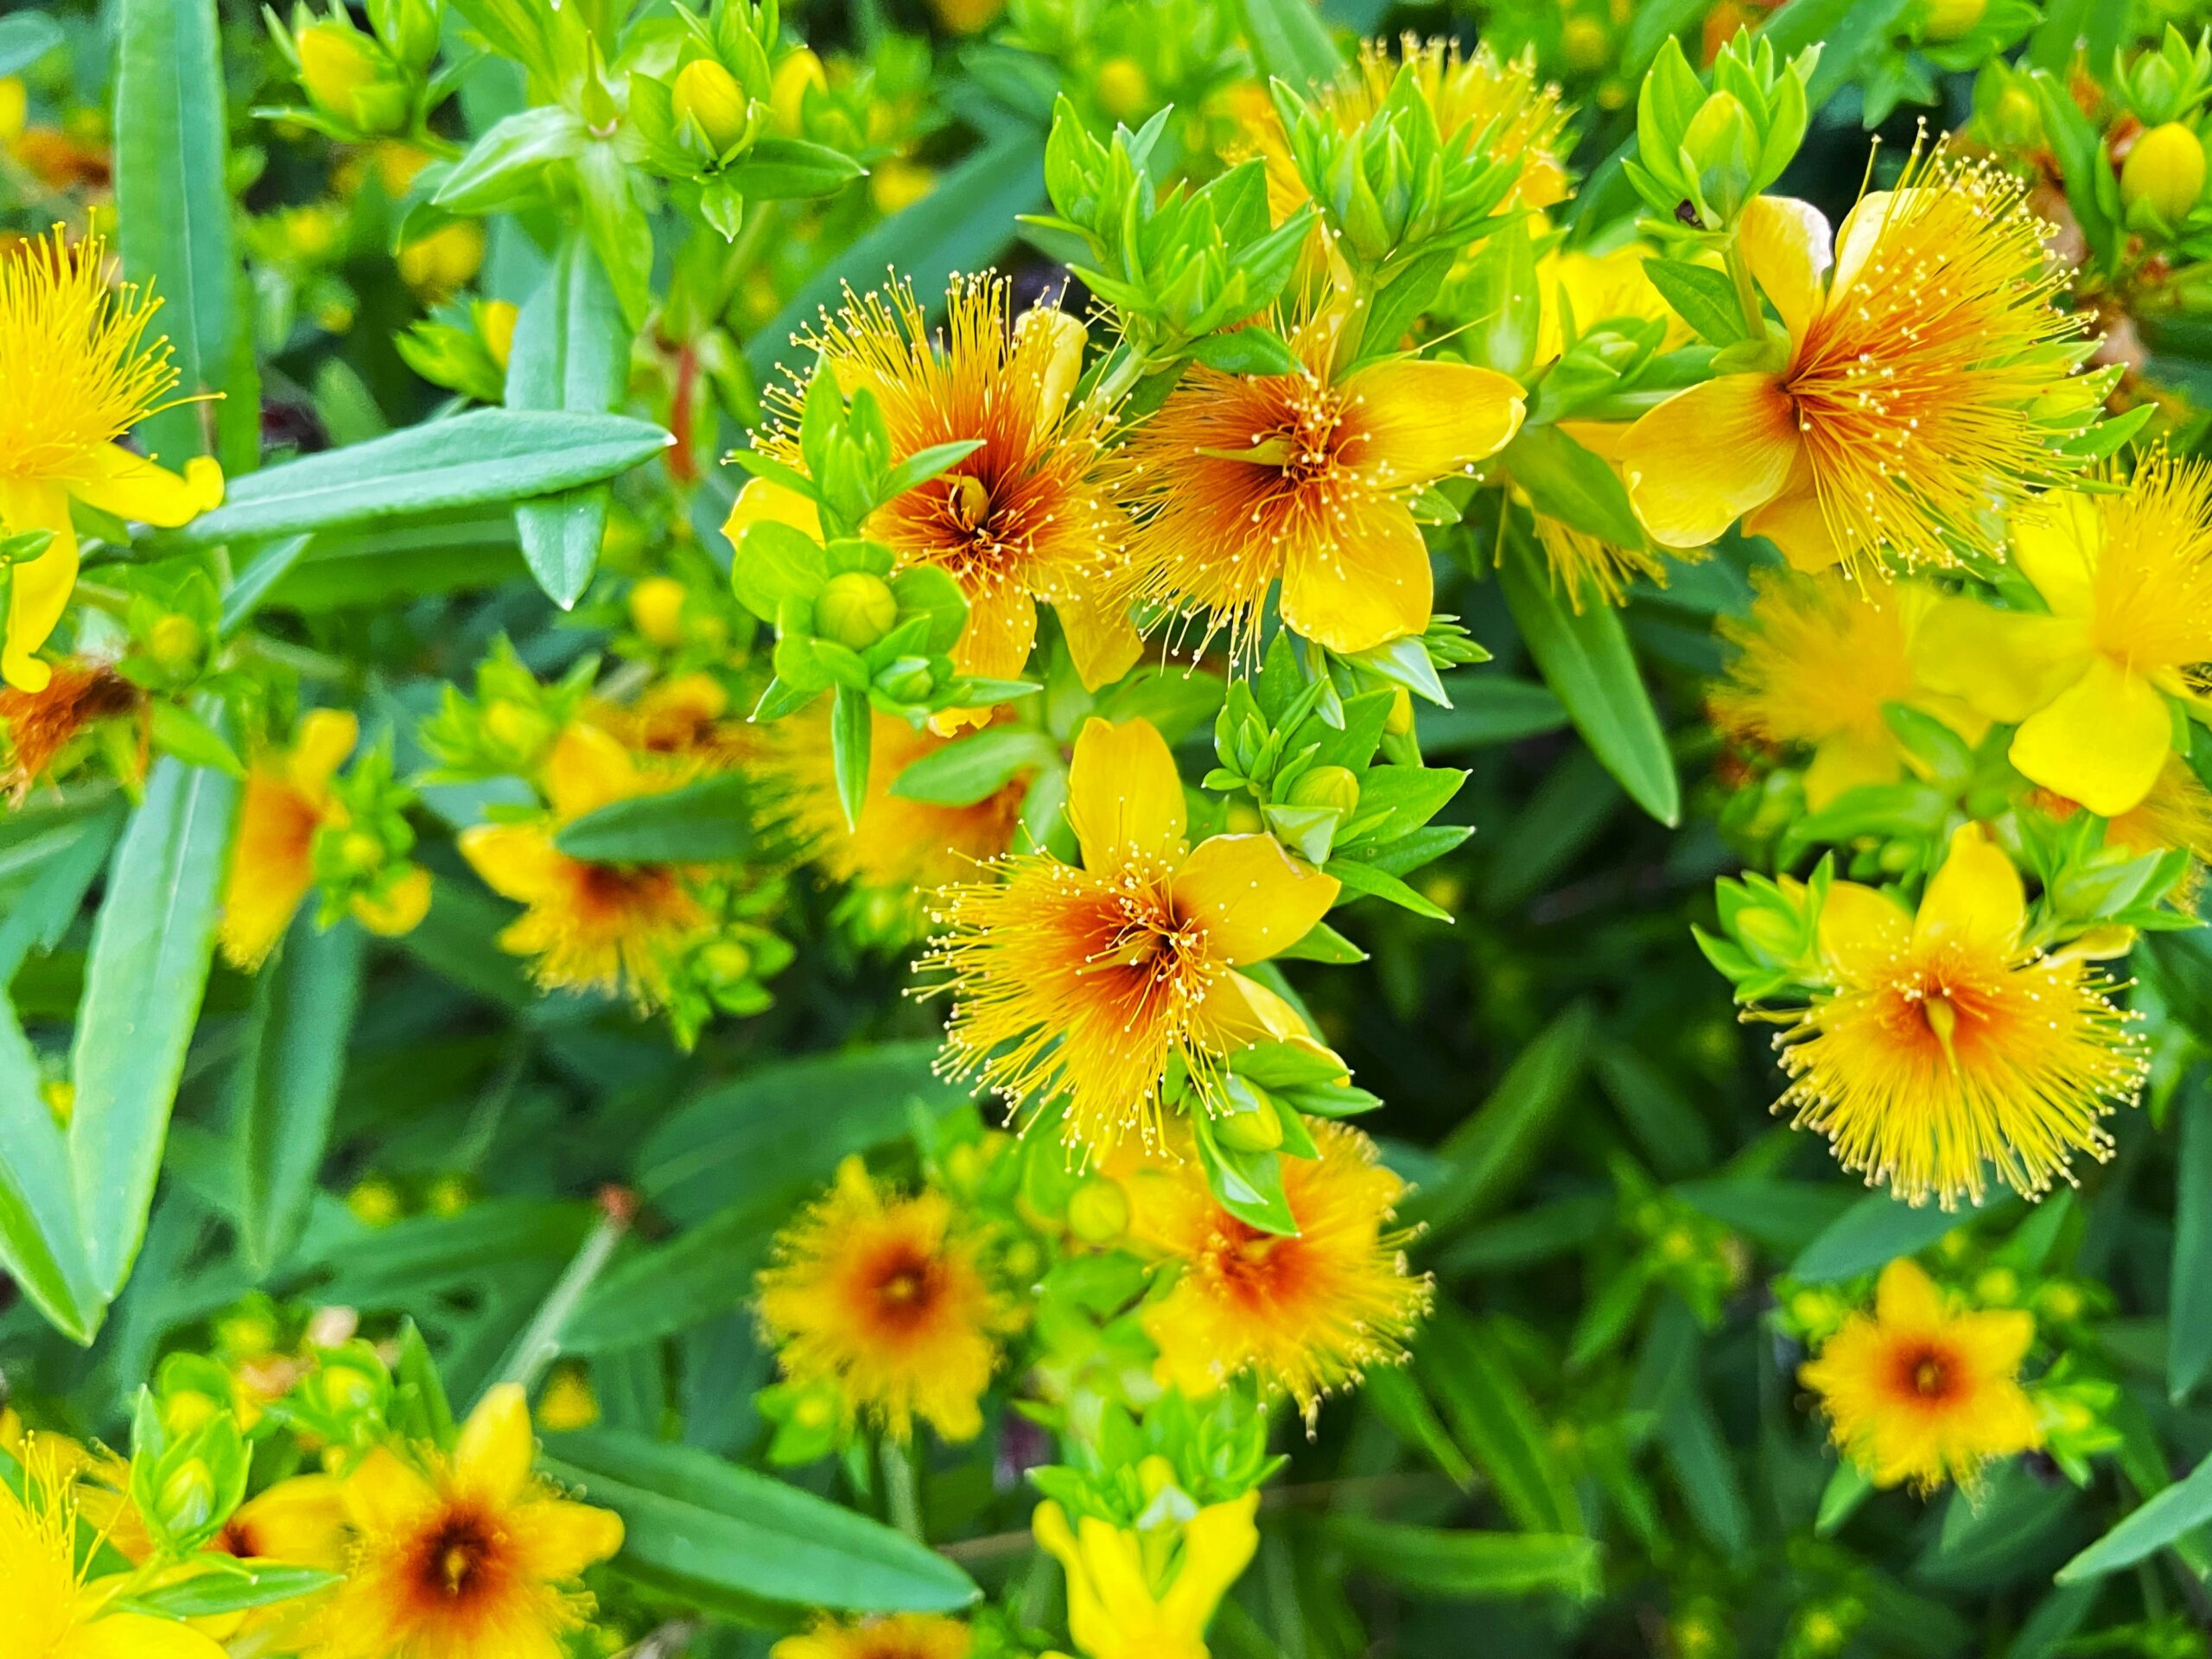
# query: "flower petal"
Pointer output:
{"type": "Point", "coordinates": [1786, 243]}
{"type": "Point", "coordinates": [1218, 1542]}
{"type": "Point", "coordinates": [1906, 1296]}
{"type": "Point", "coordinates": [587, 769]}
{"type": "Point", "coordinates": [565, 1538]}
{"type": "Point", "coordinates": [760, 501]}
{"type": "Point", "coordinates": [2056, 543]}
{"type": "Point", "coordinates": [1360, 580]}
{"type": "Point", "coordinates": [1793, 521]}
{"type": "Point", "coordinates": [1102, 639]}
{"type": "Point", "coordinates": [1254, 897]}
{"type": "Point", "coordinates": [131, 486]}
{"type": "Point", "coordinates": [1846, 760]}
{"type": "Point", "coordinates": [496, 1446]}
{"type": "Point", "coordinates": [1002, 627]}
{"type": "Point", "coordinates": [135, 1636]}
{"type": "Point", "coordinates": [326, 737]}
{"type": "Point", "coordinates": [1709, 455]}
{"type": "Point", "coordinates": [1975, 896]}
{"type": "Point", "coordinates": [1860, 231]}
{"type": "Point", "coordinates": [1861, 928]}
{"type": "Point", "coordinates": [1124, 794]}
{"type": "Point", "coordinates": [1424, 421]}
{"type": "Point", "coordinates": [41, 589]}
{"type": "Point", "coordinates": [2005, 663]}
{"type": "Point", "coordinates": [383, 1494]}
{"type": "Point", "coordinates": [2101, 741]}
{"type": "Point", "coordinates": [516, 860]}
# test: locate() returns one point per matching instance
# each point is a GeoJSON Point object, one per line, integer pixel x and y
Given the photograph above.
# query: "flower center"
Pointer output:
{"type": "Point", "coordinates": [1929, 1373]}
{"type": "Point", "coordinates": [453, 1556]}
{"type": "Point", "coordinates": [906, 1285]}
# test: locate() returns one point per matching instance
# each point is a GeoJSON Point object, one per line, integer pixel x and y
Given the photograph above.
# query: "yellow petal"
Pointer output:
{"type": "Point", "coordinates": [135, 1636]}
{"type": "Point", "coordinates": [565, 1538]}
{"type": "Point", "coordinates": [1002, 627]}
{"type": "Point", "coordinates": [1861, 230]}
{"type": "Point", "coordinates": [760, 501]}
{"type": "Point", "coordinates": [1846, 760]}
{"type": "Point", "coordinates": [1998, 1339]}
{"type": "Point", "coordinates": [402, 908]}
{"type": "Point", "coordinates": [1861, 928]}
{"type": "Point", "coordinates": [1102, 641]}
{"type": "Point", "coordinates": [326, 737]}
{"type": "Point", "coordinates": [1905, 1296]}
{"type": "Point", "coordinates": [302, 1521]}
{"type": "Point", "coordinates": [1124, 794]}
{"type": "Point", "coordinates": [1254, 897]}
{"type": "Point", "coordinates": [1056, 339]}
{"type": "Point", "coordinates": [131, 486]}
{"type": "Point", "coordinates": [2005, 663]}
{"type": "Point", "coordinates": [1706, 456]}
{"type": "Point", "coordinates": [587, 769]}
{"type": "Point", "coordinates": [383, 1494]}
{"type": "Point", "coordinates": [516, 860]}
{"type": "Point", "coordinates": [1786, 242]}
{"type": "Point", "coordinates": [1360, 580]}
{"type": "Point", "coordinates": [2056, 543]}
{"type": "Point", "coordinates": [1793, 521]}
{"type": "Point", "coordinates": [1424, 421]}
{"type": "Point", "coordinates": [1975, 897]}
{"type": "Point", "coordinates": [1218, 1542]}
{"type": "Point", "coordinates": [496, 1446]}
{"type": "Point", "coordinates": [2101, 741]}
{"type": "Point", "coordinates": [40, 587]}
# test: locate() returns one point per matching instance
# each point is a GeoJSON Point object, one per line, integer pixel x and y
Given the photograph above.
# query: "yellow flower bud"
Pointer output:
{"type": "Point", "coordinates": [337, 63]}
{"type": "Point", "coordinates": [1400, 719]}
{"type": "Point", "coordinates": [174, 642]}
{"type": "Point", "coordinates": [855, 610]}
{"type": "Point", "coordinates": [725, 963]}
{"type": "Point", "coordinates": [1949, 20]}
{"type": "Point", "coordinates": [2164, 171]}
{"type": "Point", "coordinates": [185, 1410]}
{"type": "Point", "coordinates": [707, 96]}
{"type": "Point", "coordinates": [374, 1202]}
{"type": "Point", "coordinates": [187, 1496]}
{"type": "Point", "coordinates": [15, 108]}
{"type": "Point", "coordinates": [495, 324]}
{"type": "Point", "coordinates": [1585, 43]}
{"type": "Point", "coordinates": [401, 908]}
{"type": "Point", "coordinates": [895, 185]}
{"type": "Point", "coordinates": [1098, 1210]}
{"type": "Point", "coordinates": [522, 732]}
{"type": "Point", "coordinates": [1123, 88]}
{"type": "Point", "coordinates": [1326, 786]}
{"type": "Point", "coordinates": [567, 1401]}
{"type": "Point", "coordinates": [448, 1196]}
{"type": "Point", "coordinates": [657, 610]}
{"type": "Point", "coordinates": [310, 233]}
{"type": "Point", "coordinates": [1256, 1127]}
{"type": "Point", "coordinates": [787, 90]}
{"type": "Point", "coordinates": [59, 1095]}
{"type": "Point", "coordinates": [443, 260]}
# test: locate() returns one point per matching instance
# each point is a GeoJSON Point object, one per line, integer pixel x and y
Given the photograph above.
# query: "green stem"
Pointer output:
{"type": "Point", "coordinates": [901, 1488]}
{"type": "Point", "coordinates": [1747, 295]}
{"type": "Point", "coordinates": [539, 1346]}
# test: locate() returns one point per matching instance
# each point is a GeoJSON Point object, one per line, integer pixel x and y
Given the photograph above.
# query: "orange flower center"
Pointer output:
{"type": "Point", "coordinates": [904, 1287]}
{"type": "Point", "coordinates": [1256, 1269]}
{"type": "Point", "coordinates": [607, 895]}
{"type": "Point", "coordinates": [454, 1560]}
{"type": "Point", "coordinates": [1929, 1373]}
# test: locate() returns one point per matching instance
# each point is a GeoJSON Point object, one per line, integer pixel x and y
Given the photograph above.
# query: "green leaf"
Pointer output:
{"type": "Point", "coordinates": [175, 729]}
{"type": "Point", "coordinates": [2189, 1319]}
{"type": "Point", "coordinates": [41, 1242]}
{"type": "Point", "coordinates": [783, 169]}
{"type": "Point", "coordinates": [252, 585]}
{"type": "Point", "coordinates": [1487, 710]}
{"type": "Point", "coordinates": [1846, 1490]}
{"type": "Point", "coordinates": [2181, 1508]}
{"type": "Point", "coordinates": [1701, 296]}
{"type": "Point", "coordinates": [502, 169]}
{"type": "Point", "coordinates": [700, 1274]}
{"type": "Point", "coordinates": [571, 352]}
{"type": "Point", "coordinates": [972, 768]}
{"type": "Point", "coordinates": [1245, 1182]}
{"type": "Point", "coordinates": [1496, 1144]}
{"type": "Point", "coordinates": [284, 1088]}
{"type": "Point", "coordinates": [485, 455]}
{"type": "Point", "coordinates": [1291, 43]}
{"type": "Point", "coordinates": [1585, 659]}
{"type": "Point", "coordinates": [692, 1519]}
{"type": "Point", "coordinates": [152, 942]}
{"type": "Point", "coordinates": [1877, 1230]}
{"type": "Point", "coordinates": [1464, 1363]}
{"type": "Point", "coordinates": [851, 734]}
{"type": "Point", "coordinates": [26, 38]}
{"type": "Point", "coordinates": [1470, 1566]}
{"type": "Point", "coordinates": [705, 822]}
{"type": "Point", "coordinates": [1363, 879]}
{"type": "Point", "coordinates": [233, 1587]}
{"type": "Point", "coordinates": [1569, 483]}
{"type": "Point", "coordinates": [173, 202]}
{"type": "Point", "coordinates": [1254, 350]}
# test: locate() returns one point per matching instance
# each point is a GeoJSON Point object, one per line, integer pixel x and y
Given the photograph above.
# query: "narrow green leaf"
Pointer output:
{"type": "Point", "coordinates": [571, 352]}
{"type": "Point", "coordinates": [151, 944]}
{"type": "Point", "coordinates": [698, 1275]}
{"type": "Point", "coordinates": [704, 823]}
{"type": "Point", "coordinates": [1846, 1490]}
{"type": "Point", "coordinates": [975, 767]}
{"type": "Point", "coordinates": [1464, 1363]}
{"type": "Point", "coordinates": [285, 1086]}
{"type": "Point", "coordinates": [851, 732]}
{"type": "Point", "coordinates": [486, 455]}
{"type": "Point", "coordinates": [2189, 1317]}
{"type": "Point", "coordinates": [693, 1519]}
{"type": "Point", "coordinates": [1877, 1230]}
{"type": "Point", "coordinates": [1486, 1155]}
{"type": "Point", "coordinates": [1291, 43]}
{"type": "Point", "coordinates": [40, 1245]}
{"type": "Point", "coordinates": [2181, 1508]}
{"type": "Point", "coordinates": [25, 38]}
{"type": "Point", "coordinates": [1489, 708]}
{"type": "Point", "coordinates": [173, 202]}
{"type": "Point", "coordinates": [1701, 296]}
{"type": "Point", "coordinates": [270, 566]}
{"type": "Point", "coordinates": [1587, 660]}
{"type": "Point", "coordinates": [1470, 1565]}
{"type": "Point", "coordinates": [234, 1587]}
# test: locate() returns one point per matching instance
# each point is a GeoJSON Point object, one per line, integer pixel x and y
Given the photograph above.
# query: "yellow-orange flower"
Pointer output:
{"type": "Point", "coordinates": [78, 375]}
{"type": "Point", "coordinates": [1925, 382]}
{"type": "Point", "coordinates": [1086, 980]}
{"type": "Point", "coordinates": [1304, 1313]}
{"type": "Point", "coordinates": [885, 1298]}
{"type": "Point", "coordinates": [40, 724]}
{"type": "Point", "coordinates": [1148, 1593]}
{"type": "Point", "coordinates": [1919, 1392]}
{"type": "Point", "coordinates": [1027, 518]}
{"type": "Point", "coordinates": [2128, 580]}
{"type": "Point", "coordinates": [469, 1556]}
{"type": "Point", "coordinates": [286, 804]}
{"type": "Point", "coordinates": [895, 1635]}
{"type": "Point", "coordinates": [898, 843]}
{"type": "Point", "coordinates": [1817, 660]}
{"type": "Point", "coordinates": [1946, 1045]}
{"type": "Point", "coordinates": [586, 926]}
{"type": "Point", "coordinates": [1243, 481]}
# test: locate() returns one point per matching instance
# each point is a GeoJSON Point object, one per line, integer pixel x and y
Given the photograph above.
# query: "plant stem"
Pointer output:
{"type": "Point", "coordinates": [901, 1490]}
{"type": "Point", "coordinates": [1747, 295]}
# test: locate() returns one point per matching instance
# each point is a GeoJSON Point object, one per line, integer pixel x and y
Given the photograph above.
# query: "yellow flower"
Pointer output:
{"type": "Point", "coordinates": [40, 724]}
{"type": "Point", "coordinates": [897, 844]}
{"type": "Point", "coordinates": [1816, 660]}
{"type": "Point", "coordinates": [1027, 517]}
{"type": "Point", "coordinates": [435, 265]}
{"type": "Point", "coordinates": [1128, 1598]}
{"type": "Point", "coordinates": [588, 926]}
{"type": "Point", "coordinates": [51, 1611]}
{"type": "Point", "coordinates": [301, 1521]}
{"type": "Point", "coordinates": [1306, 1313]}
{"type": "Point", "coordinates": [1920, 1393]}
{"type": "Point", "coordinates": [1516, 116]}
{"type": "Point", "coordinates": [884, 1298]}
{"type": "Point", "coordinates": [287, 802]}
{"type": "Point", "coordinates": [1086, 980]}
{"type": "Point", "coordinates": [79, 375]}
{"type": "Point", "coordinates": [1246, 480]}
{"type": "Point", "coordinates": [1925, 382]}
{"type": "Point", "coordinates": [466, 1557]}
{"type": "Point", "coordinates": [1945, 1044]}
{"type": "Point", "coordinates": [895, 1635]}
{"type": "Point", "coordinates": [2128, 579]}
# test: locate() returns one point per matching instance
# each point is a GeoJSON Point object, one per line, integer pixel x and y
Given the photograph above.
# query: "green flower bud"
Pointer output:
{"type": "Point", "coordinates": [187, 1501]}
{"type": "Point", "coordinates": [855, 610]}
{"type": "Point", "coordinates": [707, 96]}
{"type": "Point", "coordinates": [1254, 1124]}
{"type": "Point", "coordinates": [175, 642]}
{"type": "Point", "coordinates": [1942, 21]}
{"type": "Point", "coordinates": [1098, 1210]}
{"type": "Point", "coordinates": [1326, 786]}
{"type": "Point", "coordinates": [521, 731]}
{"type": "Point", "coordinates": [725, 963]}
{"type": "Point", "coordinates": [907, 680]}
{"type": "Point", "coordinates": [2164, 172]}
{"type": "Point", "coordinates": [345, 75]}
